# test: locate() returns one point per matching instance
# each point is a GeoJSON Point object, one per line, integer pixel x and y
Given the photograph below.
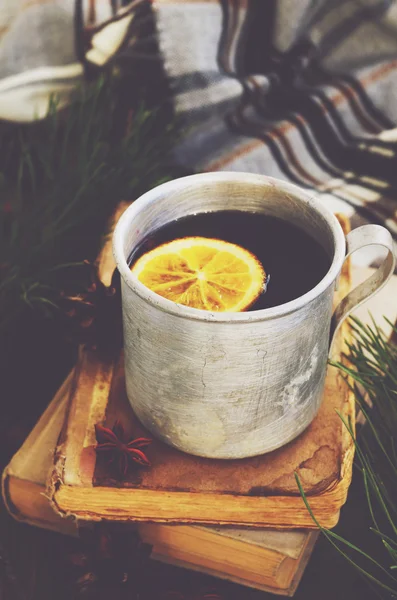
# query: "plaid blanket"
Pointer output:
{"type": "Point", "coordinates": [297, 90]}
{"type": "Point", "coordinates": [302, 91]}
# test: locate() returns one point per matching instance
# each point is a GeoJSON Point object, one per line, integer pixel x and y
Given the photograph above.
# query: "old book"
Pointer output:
{"type": "Point", "coordinates": [266, 559]}
{"type": "Point", "coordinates": [180, 488]}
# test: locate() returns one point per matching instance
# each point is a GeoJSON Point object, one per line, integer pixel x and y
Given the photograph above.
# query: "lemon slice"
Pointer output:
{"type": "Point", "coordinates": [202, 273]}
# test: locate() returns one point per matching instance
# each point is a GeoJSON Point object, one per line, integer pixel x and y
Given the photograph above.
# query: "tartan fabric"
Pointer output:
{"type": "Point", "coordinates": [302, 91]}
{"type": "Point", "coordinates": [313, 111]}
{"type": "Point", "coordinates": [46, 45]}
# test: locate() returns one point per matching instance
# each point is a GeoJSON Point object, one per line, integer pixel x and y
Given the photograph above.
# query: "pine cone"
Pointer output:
{"type": "Point", "coordinates": [112, 562]}
{"type": "Point", "coordinates": [93, 317]}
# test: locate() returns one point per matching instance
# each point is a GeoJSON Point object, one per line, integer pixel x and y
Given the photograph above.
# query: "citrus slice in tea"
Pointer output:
{"type": "Point", "coordinates": [202, 273]}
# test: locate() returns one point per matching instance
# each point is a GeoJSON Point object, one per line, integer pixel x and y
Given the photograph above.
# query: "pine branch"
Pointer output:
{"type": "Point", "coordinates": [373, 378]}
{"type": "Point", "coordinates": [60, 180]}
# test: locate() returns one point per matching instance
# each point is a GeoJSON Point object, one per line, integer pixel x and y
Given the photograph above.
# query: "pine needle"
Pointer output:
{"type": "Point", "coordinates": [373, 378]}
{"type": "Point", "coordinates": [60, 180]}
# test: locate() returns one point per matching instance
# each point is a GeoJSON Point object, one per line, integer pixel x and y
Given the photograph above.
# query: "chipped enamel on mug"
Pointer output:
{"type": "Point", "coordinates": [233, 385]}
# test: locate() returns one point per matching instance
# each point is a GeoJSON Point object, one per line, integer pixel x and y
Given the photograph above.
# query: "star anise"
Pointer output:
{"type": "Point", "coordinates": [120, 449]}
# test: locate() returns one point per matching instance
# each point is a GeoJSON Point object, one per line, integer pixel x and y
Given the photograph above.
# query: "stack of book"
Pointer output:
{"type": "Point", "coordinates": [243, 520]}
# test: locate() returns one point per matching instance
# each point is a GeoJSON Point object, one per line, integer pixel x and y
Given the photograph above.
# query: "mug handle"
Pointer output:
{"type": "Point", "coordinates": [366, 235]}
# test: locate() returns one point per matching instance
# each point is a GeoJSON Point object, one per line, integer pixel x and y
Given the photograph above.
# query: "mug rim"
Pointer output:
{"type": "Point", "coordinates": [180, 310]}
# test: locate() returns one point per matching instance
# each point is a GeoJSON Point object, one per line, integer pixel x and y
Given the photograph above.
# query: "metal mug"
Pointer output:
{"type": "Point", "coordinates": [233, 385]}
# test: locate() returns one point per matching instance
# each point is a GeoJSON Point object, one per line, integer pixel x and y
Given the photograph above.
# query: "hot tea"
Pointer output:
{"type": "Point", "coordinates": [293, 261]}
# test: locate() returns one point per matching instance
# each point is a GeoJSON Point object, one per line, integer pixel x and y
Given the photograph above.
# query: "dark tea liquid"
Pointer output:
{"type": "Point", "coordinates": [293, 261]}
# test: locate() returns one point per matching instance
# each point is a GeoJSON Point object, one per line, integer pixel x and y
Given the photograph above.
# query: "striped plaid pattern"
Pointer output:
{"type": "Point", "coordinates": [300, 90]}
{"type": "Point", "coordinates": [45, 45]}
{"type": "Point", "coordinates": [314, 113]}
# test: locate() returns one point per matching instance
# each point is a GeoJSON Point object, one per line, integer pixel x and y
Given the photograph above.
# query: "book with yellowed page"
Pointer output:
{"type": "Point", "coordinates": [180, 488]}
{"type": "Point", "coordinates": [262, 558]}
